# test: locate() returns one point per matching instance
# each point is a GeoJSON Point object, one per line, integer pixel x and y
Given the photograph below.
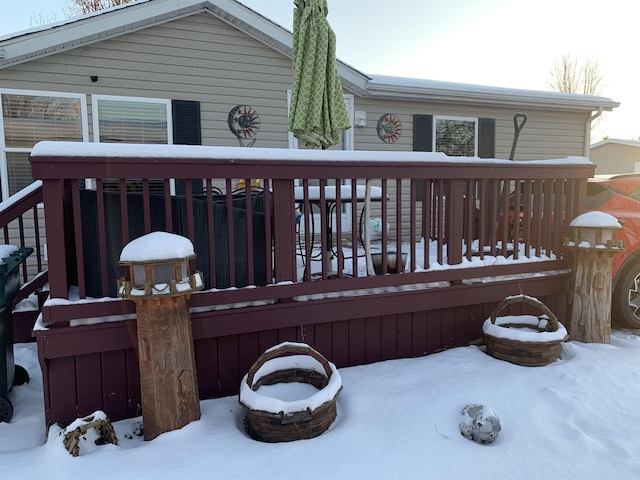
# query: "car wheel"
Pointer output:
{"type": "Point", "coordinates": [21, 376]}
{"type": "Point", "coordinates": [6, 409]}
{"type": "Point", "coordinates": [626, 297]}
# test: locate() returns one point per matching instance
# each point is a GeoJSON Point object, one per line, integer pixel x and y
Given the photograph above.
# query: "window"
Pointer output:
{"type": "Point", "coordinates": [28, 117]}
{"type": "Point", "coordinates": [455, 136]}
{"type": "Point", "coordinates": [425, 135]}
{"type": "Point", "coordinates": [131, 120]}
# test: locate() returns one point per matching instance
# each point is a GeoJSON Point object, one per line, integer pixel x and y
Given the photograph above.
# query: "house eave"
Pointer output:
{"type": "Point", "coordinates": [66, 35]}
{"type": "Point", "coordinates": [281, 40]}
{"type": "Point", "coordinates": [88, 29]}
{"type": "Point", "coordinates": [392, 88]}
{"type": "Point", "coordinates": [616, 141]}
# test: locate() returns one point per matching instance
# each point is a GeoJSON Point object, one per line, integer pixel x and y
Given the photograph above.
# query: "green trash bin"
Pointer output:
{"type": "Point", "coordinates": [10, 374]}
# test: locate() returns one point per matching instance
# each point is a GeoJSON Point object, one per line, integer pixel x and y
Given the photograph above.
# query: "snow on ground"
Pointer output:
{"type": "Point", "coordinates": [576, 418]}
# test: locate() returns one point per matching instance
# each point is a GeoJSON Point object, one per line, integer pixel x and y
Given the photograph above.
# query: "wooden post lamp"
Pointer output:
{"type": "Point", "coordinates": [157, 279]}
{"type": "Point", "coordinates": [593, 245]}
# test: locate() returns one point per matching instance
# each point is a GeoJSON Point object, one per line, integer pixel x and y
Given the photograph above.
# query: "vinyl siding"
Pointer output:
{"type": "Point", "coordinates": [615, 158]}
{"type": "Point", "coordinates": [204, 59]}
{"type": "Point", "coordinates": [546, 134]}
{"type": "Point", "coordinates": [195, 58]}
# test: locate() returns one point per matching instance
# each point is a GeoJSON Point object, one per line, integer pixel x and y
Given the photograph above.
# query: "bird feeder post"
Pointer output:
{"type": "Point", "coordinates": [160, 287]}
{"type": "Point", "coordinates": [593, 247]}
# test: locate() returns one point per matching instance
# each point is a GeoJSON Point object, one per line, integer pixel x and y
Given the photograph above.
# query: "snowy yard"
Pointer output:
{"type": "Point", "coordinates": [575, 418]}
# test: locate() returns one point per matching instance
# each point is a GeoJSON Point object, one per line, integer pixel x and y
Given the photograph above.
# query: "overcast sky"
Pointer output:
{"type": "Point", "coordinates": [505, 43]}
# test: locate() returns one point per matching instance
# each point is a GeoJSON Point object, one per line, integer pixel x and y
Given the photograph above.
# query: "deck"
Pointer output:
{"type": "Point", "coordinates": [281, 265]}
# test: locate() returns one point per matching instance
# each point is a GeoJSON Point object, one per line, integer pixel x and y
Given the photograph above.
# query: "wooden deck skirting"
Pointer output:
{"type": "Point", "coordinates": [96, 365]}
{"type": "Point", "coordinates": [469, 211]}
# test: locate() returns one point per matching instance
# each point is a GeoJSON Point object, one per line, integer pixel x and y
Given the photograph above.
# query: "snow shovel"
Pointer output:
{"type": "Point", "coordinates": [519, 119]}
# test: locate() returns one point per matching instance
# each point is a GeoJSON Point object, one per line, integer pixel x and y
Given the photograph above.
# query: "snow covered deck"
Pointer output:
{"type": "Point", "coordinates": [288, 262]}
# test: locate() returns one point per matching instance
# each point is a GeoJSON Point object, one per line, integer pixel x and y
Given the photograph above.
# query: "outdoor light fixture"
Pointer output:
{"type": "Point", "coordinates": [593, 246]}
{"type": "Point", "coordinates": [94, 78]}
{"type": "Point", "coordinates": [360, 119]}
{"type": "Point", "coordinates": [159, 278]}
{"type": "Point", "coordinates": [159, 281]}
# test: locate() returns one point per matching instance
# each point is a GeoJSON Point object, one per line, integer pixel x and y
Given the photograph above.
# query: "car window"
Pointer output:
{"type": "Point", "coordinates": [597, 195]}
{"type": "Point", "coordinates": [635, 194]}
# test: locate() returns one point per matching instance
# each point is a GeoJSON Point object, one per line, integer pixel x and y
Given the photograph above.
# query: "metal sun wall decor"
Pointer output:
{"type": "Point", "coordinates": [244, 123]}
{"type": "Point", "coordinates": [389, 128]}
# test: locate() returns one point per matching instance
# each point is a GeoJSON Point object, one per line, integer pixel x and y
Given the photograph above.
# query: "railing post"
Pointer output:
{"type": "Point", "coordinates": [53, 196]}
{"type": "Point", "coordinates": [580, 195]}
{"type": "Point", "coordinates": [454, 220]}
{"type": "Point", "coordinates": [284, 231]}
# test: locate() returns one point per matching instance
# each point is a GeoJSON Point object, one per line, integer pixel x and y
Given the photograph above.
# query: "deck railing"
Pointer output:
{"type": "Point", "coordinates": [22, 226]}
{"type": "Point", "coordinates": [297, 237]}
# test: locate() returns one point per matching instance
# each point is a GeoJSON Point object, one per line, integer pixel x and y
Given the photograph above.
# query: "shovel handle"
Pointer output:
{"type": "Point", "coordinates": [519, 119]}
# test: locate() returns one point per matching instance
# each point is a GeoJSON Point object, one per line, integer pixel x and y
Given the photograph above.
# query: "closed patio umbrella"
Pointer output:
{"type": "Point", "coordinates": [317, 114]}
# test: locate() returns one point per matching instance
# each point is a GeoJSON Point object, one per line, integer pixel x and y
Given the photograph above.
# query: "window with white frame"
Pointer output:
{"type": "Point", "coordinates": [28, 117]}
{"type": "Point", "coordinates": [455, 136]}
{"type": "Point", "coordinates": [131, 120]}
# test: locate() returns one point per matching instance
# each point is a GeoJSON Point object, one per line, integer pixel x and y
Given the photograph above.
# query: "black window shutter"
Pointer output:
{"type": "Point", "coordinates": [186, 122]}
{"type": "Point", "coordinates": [486, 137]}
{"type": "Point", "coordinates": [422, 142]}
{"type": "Point", "coordinates": [423, 133]}
{"type": "Point", "coordinates": [186, 131]}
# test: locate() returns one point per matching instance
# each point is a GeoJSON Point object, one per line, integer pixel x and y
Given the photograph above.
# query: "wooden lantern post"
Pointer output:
{"type": "Point", "coordinates": [160, 285]}
{"type": "Point", "coordinates": [593, 247]}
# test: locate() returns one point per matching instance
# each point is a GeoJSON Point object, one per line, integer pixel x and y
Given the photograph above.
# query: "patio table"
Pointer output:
{"type": "Point", "coordinates": [331, 195]}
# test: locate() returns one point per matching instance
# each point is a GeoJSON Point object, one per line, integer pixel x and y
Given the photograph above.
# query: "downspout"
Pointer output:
{"type": "Point", "coordinates": [587, 130]}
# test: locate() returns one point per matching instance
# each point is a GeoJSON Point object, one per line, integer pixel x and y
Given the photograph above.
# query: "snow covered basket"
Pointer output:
{"type": "Point", "coordinates": [527, 340]}
{"type": "Point", "coordinates": [271, 419]}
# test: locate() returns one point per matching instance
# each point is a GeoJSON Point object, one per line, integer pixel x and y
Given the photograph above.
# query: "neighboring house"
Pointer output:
{"type": "Point", "coordinates": [172, 71]}
{"type": "Point", "coordinates": [615, 156]}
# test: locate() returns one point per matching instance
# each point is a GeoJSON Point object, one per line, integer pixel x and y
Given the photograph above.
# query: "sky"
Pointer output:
{"type": "Point", "coordinates": [503, 43]}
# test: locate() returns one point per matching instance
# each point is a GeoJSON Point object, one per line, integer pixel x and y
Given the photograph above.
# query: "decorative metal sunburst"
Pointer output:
{"type": "Point", "coordinates": [389, 128]}
{"type": "Point", "coordinates": [244, 121]}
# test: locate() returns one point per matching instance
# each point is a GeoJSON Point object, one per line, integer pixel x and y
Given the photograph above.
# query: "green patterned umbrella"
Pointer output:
{"type": "Point", "coordinates": [317, 114]}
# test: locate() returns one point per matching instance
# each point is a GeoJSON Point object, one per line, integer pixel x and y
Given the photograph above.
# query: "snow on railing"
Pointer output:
{"type": "Point", "coordinates": [451, 218]}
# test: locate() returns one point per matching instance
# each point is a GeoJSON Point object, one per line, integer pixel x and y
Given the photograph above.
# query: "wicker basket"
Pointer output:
{"type": "Point", "coordinates": [538, 340]}
{"type": "Point", "coordinates": [296, 420]}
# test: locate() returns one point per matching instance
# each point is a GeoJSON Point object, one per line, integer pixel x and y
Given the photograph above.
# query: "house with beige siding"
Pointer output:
{"type": "Point", "coordinates": [615, 155]}
{"type": "Point", "coordinates": [186, 71]}
{"type": "Point", "coordinates": [218, 74]}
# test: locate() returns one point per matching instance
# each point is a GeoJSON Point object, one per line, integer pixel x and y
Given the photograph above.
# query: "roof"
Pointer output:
{"type": "Point", "coordinates": [450, 92]}
{"type": "Point", "coordinates": [76, 32]}
{"type": "Point", "coordinates": [616, 141]}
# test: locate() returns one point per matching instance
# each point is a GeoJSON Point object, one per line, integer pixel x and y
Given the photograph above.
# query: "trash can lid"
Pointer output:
{"type": "Point", "coordinates": [5, 251]}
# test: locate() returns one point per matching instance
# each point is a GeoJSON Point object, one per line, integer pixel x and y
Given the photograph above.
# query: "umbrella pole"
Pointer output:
{"type": "Point", "coordinates": [367, 233]}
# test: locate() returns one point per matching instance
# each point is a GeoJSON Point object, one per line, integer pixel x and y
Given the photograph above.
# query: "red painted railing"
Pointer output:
{"type": "Point", "coordinates": [489, 229]}
{"type": "Point", "coordinates": [22, 226]}
{"type": "Point", "coordinates": [462, 216]}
